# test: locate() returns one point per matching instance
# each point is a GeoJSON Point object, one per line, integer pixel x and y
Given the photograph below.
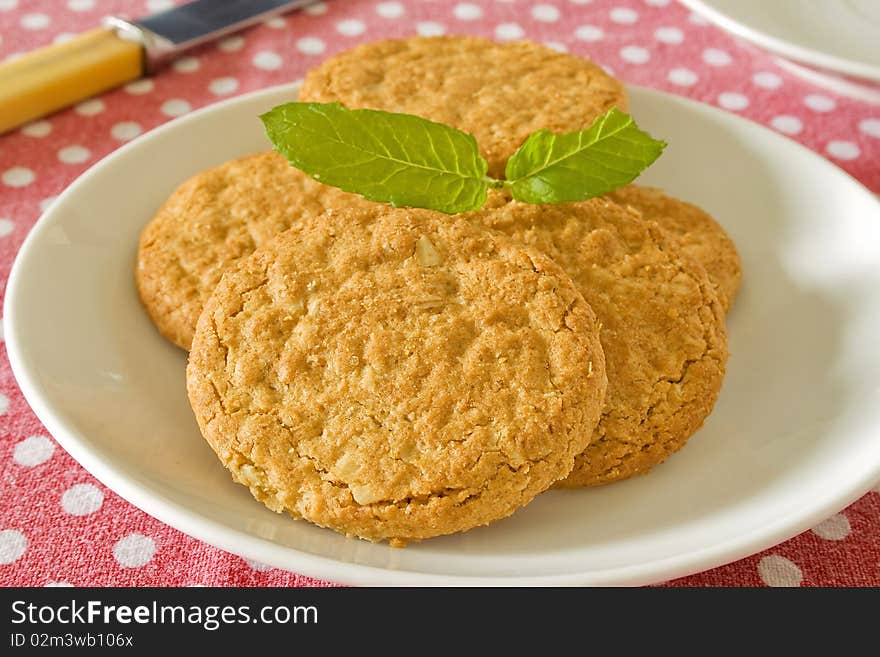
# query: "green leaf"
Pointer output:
{"type": "Point", "coordinates": [575, 166]}
{"type": "Point", "coordinates": [400, 159]}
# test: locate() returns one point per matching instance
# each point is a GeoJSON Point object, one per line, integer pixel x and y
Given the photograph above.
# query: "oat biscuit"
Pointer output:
{"type": "Point", "coordinates": [396, 374]}
{"type": "Point", "coordinates": [698, 234]}
{"type": "Point", "coordinates": [662, 327]}
{"type": "Point", "coordinates": [212, 220]}
{"type": "Point", "coordinates": [500, 93]}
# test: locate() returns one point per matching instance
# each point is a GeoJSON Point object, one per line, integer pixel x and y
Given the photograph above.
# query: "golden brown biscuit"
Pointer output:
{"type": "Point", "coordinates": [396, 374]}
{"type": "Point", "coordinates": [662, 327]}
{"type": "Point", "coordinates": [212, 220]}
{"type": "Point", "coordinates": [698, 234]}
{"type": "Point", "coordinates": [500, 93]}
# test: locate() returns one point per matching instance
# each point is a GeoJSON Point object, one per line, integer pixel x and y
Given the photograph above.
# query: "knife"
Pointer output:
{"type": "Point", "coordinates": [122, 50]}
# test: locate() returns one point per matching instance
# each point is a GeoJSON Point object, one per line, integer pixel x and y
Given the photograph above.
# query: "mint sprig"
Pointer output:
{"type": "Point", "coordinates": [406, 160]}
{"type": "Point", "coordinates": [395, 158]}
{"type": "Point", "coordinates": [575, 166]}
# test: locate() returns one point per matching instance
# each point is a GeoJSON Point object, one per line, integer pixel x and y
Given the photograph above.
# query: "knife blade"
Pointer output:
{"type": "Point", "coordinates": [54, 77]}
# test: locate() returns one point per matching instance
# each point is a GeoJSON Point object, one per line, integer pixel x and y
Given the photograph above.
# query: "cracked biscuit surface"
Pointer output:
{"type": "Point", "coordinates": [662, 327]}
{"type": "Point", "coordinates": [396, 374]}
{"type": "Point", "coordinates": [212, 220]}
{"type": "Point", "coordinates": [500, 93]}
{"type": "Point", "coordinates": [698, 235]}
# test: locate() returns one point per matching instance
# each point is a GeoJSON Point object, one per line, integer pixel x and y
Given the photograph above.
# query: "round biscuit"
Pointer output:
{"type": "Point", "coordinates": [498, 92]}
{"type": "Point", "coordinates": [662, 327]}
{"type": "Point", "coordinates": [396, 374]}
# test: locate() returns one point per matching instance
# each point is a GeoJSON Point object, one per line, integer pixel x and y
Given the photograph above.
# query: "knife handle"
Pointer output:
{"type": "Point", "coordinates": [56, 76]}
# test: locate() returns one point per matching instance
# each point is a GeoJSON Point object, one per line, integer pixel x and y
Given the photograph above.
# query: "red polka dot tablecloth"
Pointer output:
{"type": "Point", "coordinates": [60, 526]}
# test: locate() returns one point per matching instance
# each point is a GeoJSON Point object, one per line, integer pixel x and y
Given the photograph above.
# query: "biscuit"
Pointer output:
{"type": "Point", "coordinates": [500, 93]}
{"type": "Point", "coordinates": [662, 327]}
{"type": "Point", "coordinates": [396, 374]}
{"type": "Point", "coordinates": [698, 235]}
{"type": "Point", "coordinates": [212, 220]}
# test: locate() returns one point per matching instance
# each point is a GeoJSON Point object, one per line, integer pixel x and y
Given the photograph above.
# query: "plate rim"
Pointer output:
{"type": "Point", "coordinates": [249, 546]}
{"type": "Point", "coordinates": [783, 47]}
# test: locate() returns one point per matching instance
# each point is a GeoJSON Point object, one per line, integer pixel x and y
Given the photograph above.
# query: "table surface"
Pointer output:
{"type": "Point", "coordinates": [58, 525]}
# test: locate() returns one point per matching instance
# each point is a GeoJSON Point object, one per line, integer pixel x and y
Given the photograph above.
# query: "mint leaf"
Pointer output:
{"type": "Point", "coordinates": [575, 166]}
{"type": "Point", "coordinates": [395, 158]}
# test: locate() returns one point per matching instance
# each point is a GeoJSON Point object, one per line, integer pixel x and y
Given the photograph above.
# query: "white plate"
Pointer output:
{"type": "Point", "coordinates": [794, 438]}
{"type": "Point", "coordinates": [836, 35]}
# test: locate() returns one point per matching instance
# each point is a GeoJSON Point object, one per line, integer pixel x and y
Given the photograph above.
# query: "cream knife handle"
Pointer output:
{"type": "Point", "coordinates": [56, 76]}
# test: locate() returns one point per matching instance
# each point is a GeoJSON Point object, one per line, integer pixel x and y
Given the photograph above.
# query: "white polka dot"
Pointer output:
{"type": "Point", "coordinates": [835, 528]}
{"type": "Point", "coordinates": [63, 37]}
{"type": "Point", "coordinates": [545, 13]}
{"type": "Point", "coordinates": [6, 227]}
{"type": "Point", "coordinates": [819, 103]}
{"type": "Point", "coordinates": [842, 150]}
{"type": "Point", "coordinates": [790, 125]}
{"type": "Point", "coordinates": [779, 571]}
{"type": "Point", "coordinates": [557, 46]}
{"type": "Point", "coordinates": [430, 28]}
{"type": "Point", "coordinates": [139, 87]}
{"type": "Point", "coordinates": [4, 400]}
{"type": "Point", "coordinates": [74, 154]}
{"type": "Point", "coordinates": [316, 9]}
{"type": "Point", "coordinates": [623, 15]}
{"type": "Point", "coordinates": [310, 45]}
{"type": "Point", "coordinates": [716, 57]}
{"type": "Point", "coordinates": [55, 585]}
{"type": "Point", "coordinates": [90, 107]}
{"type": "Point", "coordinates": [12, 545]}
{"type": "Point", "coordinates": [223, 86]}
{"type": "Point", "coordinates": [18, 177]}
{"type": "Point", "coordinates": [175, 107]}
{"type": "Point", "coordinates": [671, 35]}
{"type": "Point", "coordinates": [732, 100]}
{"type": "Point", "coordinates": [33, 451]}
{"type": "Point", "coordinates": [657, 3]}
{"type": "Point", "coordinates": [351, 27]}
{"type": "Point", "coordinates": [82, 499]}
{"type": "Point", "coordinates": [465, 11]}
{"type": "Point", "coordinates": [580, 2]}
{"type": "Point", "coordinates": [37, 129]}
{"type": "Point", "coordinates": [267, 60]}
{"type": "Point", "coordinates": [696, 19]}
{"type": "Point", "coordinates": [80, 5]}
{"type": "Point", "coordinates": [767, 80]}
{"type": "Point", "coordinates": [46, 202]}
{"type": "Point", "coordinates": [3, 404]}
{"type": "Point", "coordinates": [8, 5]}
{"type": "Point", "coordinates": [35, 21]}
{"type": "Point", "coordinates": [231, 44]}
{"type": "Point", "coordinates": [256, 565]}
{"type": "Point", "coordinates": [683, 77]}
{"type": "Point", "coordinates": [186, 65]}
{"type": "Point", "coordinates": [635, 54]}
{"type": "Point", "coordinates": [159, 5]}
{"type": "Point", "coordinates": [125, 131]}
{"type": "Point", "coordinates": [134, 551]}
{"type": "Point", "coordinates": [276, 22]}
{"type": "Point", "coordinates": [589, 33]}
{"type": "Point", "coordinates": [870, 127]}
{"type": "Point", "coordinates": [389, 9]}
{"type": "Point", "coordinates": [509, 31]}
